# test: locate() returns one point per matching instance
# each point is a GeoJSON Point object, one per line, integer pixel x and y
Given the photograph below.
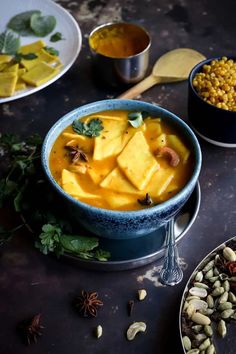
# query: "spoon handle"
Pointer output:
{"type": "Point", "coordinates": [140, 87]}
{"type": "Point", "coordinates": [171, 273]}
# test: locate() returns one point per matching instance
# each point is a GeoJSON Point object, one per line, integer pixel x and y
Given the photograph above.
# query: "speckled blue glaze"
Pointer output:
{"type": "Point", "coordinates": [122, 224]}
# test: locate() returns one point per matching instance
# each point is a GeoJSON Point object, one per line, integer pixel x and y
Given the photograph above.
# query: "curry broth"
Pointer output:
{"type": "Point", "coordinates": [60, 159]}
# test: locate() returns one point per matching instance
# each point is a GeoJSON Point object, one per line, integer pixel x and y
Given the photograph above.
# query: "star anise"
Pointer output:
{"type": "Point", "coordinates": [31, 329]}
{"type": "Point", "coordinates": [76, 153]}
{"type": "Point", "coordinates": [146, 201]}
{"type": "Point", "coordinates": [88, 303]}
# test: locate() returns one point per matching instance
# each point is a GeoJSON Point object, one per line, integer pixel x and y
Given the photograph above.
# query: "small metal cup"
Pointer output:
{"type": "Point", "coordinates": [127, 69]}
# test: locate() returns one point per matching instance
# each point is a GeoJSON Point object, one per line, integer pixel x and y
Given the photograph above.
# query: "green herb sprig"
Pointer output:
{"type": "Point", "coordinates": [136, 118]}
{"type": "Point", "coordinates": [90, 129]}
{"type": "Point", "coordinates": [56, 37]}
{"type": "Point", "coordinates": [24, 183]}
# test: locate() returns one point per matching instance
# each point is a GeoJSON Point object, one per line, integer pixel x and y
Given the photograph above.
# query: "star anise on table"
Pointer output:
{"type": "Point", "coordinates": [76, 153]}
{"type": "Point", "coordinates": [146, 201]}
{"type": "Point", "coordinates": [88, 303]}
{"type": "Point", "coordinates": [31, 329]}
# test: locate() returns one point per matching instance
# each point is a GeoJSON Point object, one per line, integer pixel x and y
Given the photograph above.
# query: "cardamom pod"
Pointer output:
{"type": "Point", "coordinates": [218, 291]}
{"type": "Point", "coordinates": [224, 297]}
{"type": "Point", "coordinates": [213, 279]}
{"type": "Point", "coordinates": [197, 328]}
{"type": "Point", "coordinates": [211, 349]}
{"type": "Point", "coordinates": [225, 306]}
{"type": "Point", "coordinates": [201, 285]}
{"type": "Point", "coordinates": [190, 310]}
{"type": "Point", "coordinates": [229, 254]}
{"type": "Point", "coordinates": [210, 301]}
{"type": "Point", "coordinates": [232, 297]}
{"type": "Point", "coordinates": [209, 274]}
{"type": "Point", "coordinates": [216, 284]}
{"type": "Point", "coordinates": [193, 351]}
{"type": "Point", "coordinates": [199, 304]}
{"type": "Point", "coordinates": [200, 319]}
{"type": "Point", "coordinates": [226, 285]}
{"type": "Point", "coordinates": [226, 313]}
{"type": "Point", "coordinates": [205, 344]}
{"type": "Point", "coordinates": [187, 343]}
{"type": "Point", "coordinates": [208, 330]}
{"type": "Point", "coordinates": [208, 266]}
{"type": "Point", "coordinates": [199, 276]}
{"type": "Point", "coordinates": [216, 271]}
{"type": "Point", "coordinates": [221, 328]}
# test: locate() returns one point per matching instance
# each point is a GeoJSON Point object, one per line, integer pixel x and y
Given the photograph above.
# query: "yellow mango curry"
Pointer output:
{"type": "Point", "coordinates": [120, 161]}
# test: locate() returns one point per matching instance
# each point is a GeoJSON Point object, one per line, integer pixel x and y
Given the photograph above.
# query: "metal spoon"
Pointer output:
{"type": "Point", "coordinates": [171, 273]}
{"type": "Point", "coordinates": [171, 67]}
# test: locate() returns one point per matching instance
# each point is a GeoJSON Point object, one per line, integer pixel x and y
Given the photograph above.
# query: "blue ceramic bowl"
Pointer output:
{"type": "Point", "coordinates": [215, 125]}
{"type": "Point", "coordinates": [122, 224]}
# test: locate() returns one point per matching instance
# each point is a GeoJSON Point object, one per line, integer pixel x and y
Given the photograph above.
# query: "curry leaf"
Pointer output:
{"type": "Point", "coordinates": [56, 37]}
{"type": "Point", "coordinates": [42, 25]}
{"type": "Point", "coordinates": [9, 43]}
{"type": "Point", "coordinates": [21, 22]}
{"type": "Point", "coordinates": [90, 129]}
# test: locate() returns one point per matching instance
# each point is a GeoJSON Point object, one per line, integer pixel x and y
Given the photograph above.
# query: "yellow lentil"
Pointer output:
{"type": "Point", "coordinates": [216, 84]}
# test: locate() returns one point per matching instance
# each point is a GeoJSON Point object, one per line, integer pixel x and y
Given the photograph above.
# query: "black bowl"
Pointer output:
{"type": "Point", "coordinates": [215, 125]}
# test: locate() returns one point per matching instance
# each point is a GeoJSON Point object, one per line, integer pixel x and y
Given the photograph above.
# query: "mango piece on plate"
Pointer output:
{"type": "Point", "coordinates": [110, 141]}
{"type": "Point", "coordinates": [71, 185]}
{"type": "Point", "coordinates": [42, 56]}
{"type": "Point", "coordinates": [39, 74]}
{"type": "Point", "coordinates": [137, 162]}
{"type": "Point", "coordinates": [117, 201]}
{"type": "Point", "coordinates": [20, 86]}
{"type": "Point", "coordinates": [86, 143]}
{"type": "Point", "coordinates": [4, 58]}
{"type": "Point", "coordinates": [176, 144]}
{"type": "Point", "coordinates": [7, 84]}
{"type": "Point", "coordinates": [117, 182]}
{"type": "Point", "coordinates": [12, 68]}
{"type": "Point", "coordinates": [160, 181]}
{"type": "Point", "coordinates": [32, 47]}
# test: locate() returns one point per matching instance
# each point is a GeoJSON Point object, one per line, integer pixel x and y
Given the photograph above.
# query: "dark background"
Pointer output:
{"type": "Point", "coordinates": [32, 283]}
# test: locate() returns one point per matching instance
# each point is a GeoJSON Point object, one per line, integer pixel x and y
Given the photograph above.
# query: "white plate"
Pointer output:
{"type": "Point", "coordinates": [66, 24]}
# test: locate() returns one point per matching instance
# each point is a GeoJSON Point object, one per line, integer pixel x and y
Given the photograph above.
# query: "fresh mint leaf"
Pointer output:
{"type": "Point", "coordinates": [52, 51]}
{"type": "Point", "coordinates": [19, 56]}
{"type": "Point", "coordinates": [78, 244]}
{"type": "Point", "coordinates": [90, 129]}
{"type": "Point", "coordinates": [56, 37]}
{"type": "Point", "coordinates": [9, 43]}
{"type": "Point", "coordinates": [102, 255]}
{"type": "Point", "coordinates": [136, 118]}
{"type": "Point", "coordinates": [42, 25]}
{"type": "Point", "coordinates": [21, 22]}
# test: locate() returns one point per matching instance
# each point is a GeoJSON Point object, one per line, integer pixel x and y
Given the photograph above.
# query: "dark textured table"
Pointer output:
{"type": "Point", "coordinates": [31, 282]}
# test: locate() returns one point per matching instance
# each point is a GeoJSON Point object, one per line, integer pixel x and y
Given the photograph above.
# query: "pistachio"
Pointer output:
{"type": "Point", "coordinates": [142, 294]}
{"type": "Point", "coordinates": [218, 291]}
{"type": "Point", "coordinates": [225, 306]}
{"type": "Point", "coordinates": [232, 297]}
{"type": "Point", "coordinates": [200, 319]}
{"type": "Point", "coordinates": [193, 351]}
{"type": "Point", "coordinates": [211, 349]}
{"type": "Point", "coordinates": [216, 284]}
{"type": "Point", "coordinates": [98, 331]}
{"type": "Point", "coordinates": [197, 328]}
{"type": "Point", "coordinates": [227, 313]}
{"type": "Point", "coordinates": [208, 330]}
{"type": "Point", "coordinates": [208, 266]}
{"type": "Point", "coordinates": [134, 328]}
{"type": "Point", "coordinates": [199, 276]}
{"type": "Point", "coordinates": [226, 285]}
{"type": "Point", "coordinates": [229, 254]}
{"type": "Point", "coordinates": [209, 274]}
{"type": "Point", "coordinates": [205, 344]}
{"type": "Point", "coordinates": [187, 343]}
{"type": "Point", "coordinates": [198, 292]}
{"type": "Point", "coordinates": [210, 301]}
{"type": "Point", "coordinates": [199, 304]}
{"type": "Point", "coordinates": [221, 328]}
{"type": "Point", "coordinates": [224, 297]}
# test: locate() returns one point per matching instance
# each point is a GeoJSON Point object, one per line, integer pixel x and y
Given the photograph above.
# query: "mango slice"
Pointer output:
{"type": "Point", "coordinates": [117, 201]}
{"type": "Point", "coordinates": [20, 86]}
{"type": "Point", "coordinates": [137, 162]}
{"type": "Point", "coordinates": [4, 58]}
{"type": "Point", "coordinates": [98, 173]}
{"type": "Point", "coordinates": [42, 56]}
{"type": "Point", "coordinates": [7, 84]}
{"type": "Point", "coordinates": [39, 74]}
{"type": "Point", "coordinates": [70, 184]}
{"type": "Point", "coordinates": [12, 68]}
{"type": "Point", "coordinates": [160, 181]}
{"type": "Point", "coordinates": [176, 144]}
{"type": "Point", "coordinates": [32, 47]}
{"type": "Point", "coordinates": [158, 142]}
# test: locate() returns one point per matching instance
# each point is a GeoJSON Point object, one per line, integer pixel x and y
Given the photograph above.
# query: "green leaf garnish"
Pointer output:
{"type": "Point", "coordinates": [90, 129]}
{"type": "Point", "coordinates": [52, 51]}
{"type": "Point", "coordinates": [136, 118]}
{"type": "Point", "coordinates": [9, 43]}
{"type": "Point", "coordinates": [21, 22]}
{"type": "Point", "coordinates": [42, 25]}
{"type": "Point", "coordinates": [29, 56]}
{"type": "Point", "coordinates": [56, 37]}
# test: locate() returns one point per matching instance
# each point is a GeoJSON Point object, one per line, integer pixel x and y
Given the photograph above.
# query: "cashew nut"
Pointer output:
{"type": "Point", "coordinates": [134, 329]}
{"type": "Point", "coordinates": [171, 154]}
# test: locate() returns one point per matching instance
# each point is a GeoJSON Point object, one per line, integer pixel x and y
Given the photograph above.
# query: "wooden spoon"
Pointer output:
{"type": "Point", "coordinates": [170, 67]}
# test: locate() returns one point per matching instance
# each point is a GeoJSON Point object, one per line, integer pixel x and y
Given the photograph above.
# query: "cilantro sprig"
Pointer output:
{"type": "Point", "coordinates": [24, 183]}
{"type": "Point", "coordinates": [90, 129]}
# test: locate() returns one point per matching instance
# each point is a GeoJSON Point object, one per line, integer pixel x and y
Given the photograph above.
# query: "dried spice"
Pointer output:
{"type": "Point", "coordinates": [130, 307]}
{"type": "Point", "coordinates": [231, 266]}
{"type": "Point", "coordinates": [31, 329]}
{"type": "Point", "coordinates": [146, 201]}
{"type": "Point", "coordinates": [76, 153]}
{"type": "Point", "coordinates": [88, 303]}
